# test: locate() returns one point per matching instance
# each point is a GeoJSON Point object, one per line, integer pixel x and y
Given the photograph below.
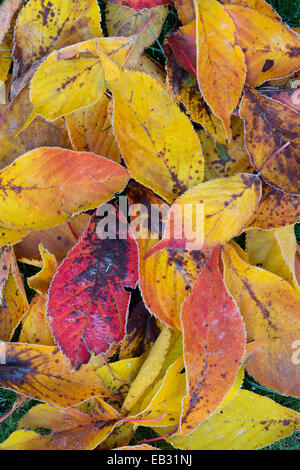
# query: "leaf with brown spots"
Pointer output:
{"type": "Point", "coordinates": [276, 209]}
{"type": "Point", "coordinates": [271, 49]}
{"type": "Point", "coordinates": [88, 304]}
{"type": "Point", "coordinates": [214, 345]}
{"type": "Point", "coordinates": [247, 422]}
{"type": "Point", "coordinates": [35, 326]}
{"type": "Point", "coordinates": [13, 300]}
{"type": "Point", "coordinates": [53, 184]}
{"type": "Point", "coordinates": [44, 26]}
{"type": "Point", "coordinates": [271, 311]}
{"type": "Point", "coordinates": [90, 129]}
{"type": "Point", "coordinates": [157, 141]}
{"type": "Point", "coordinates": [166, 271]}
{"type": "Point", "coordinates": [73, 77]}
{"type": "Point", "coordinates": [272, 132]}
{"type": "Point", "coordinates": [43, 373]}
{"type": "Point", "coordinates": [71, 429]}
{"type": "Point", "coordinates": [219, 60]}
{"type": "Point", "coordinates": [211, 221]}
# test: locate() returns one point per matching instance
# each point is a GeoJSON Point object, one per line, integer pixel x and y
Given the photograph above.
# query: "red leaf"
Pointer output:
{"type": "Point", "coordinates": [87, 301]}
{"type": "Point", "coordinates": [214, 345]}
{"type": "Point", "coordinates": [184, 48]}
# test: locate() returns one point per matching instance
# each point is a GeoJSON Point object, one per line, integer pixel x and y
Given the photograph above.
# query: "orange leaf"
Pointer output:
{"type": "Point", "coordinates": [221, 69]}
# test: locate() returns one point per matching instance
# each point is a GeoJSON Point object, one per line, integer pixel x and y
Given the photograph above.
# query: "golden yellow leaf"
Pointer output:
{"type": "Point", "coordinates": [275, 251]}
{"type": "Point", "coordinates": [157, 141]}
{"type": "Point", "coordinates": [73, 77]}
{"type": "Point", "coordinates": [149, 370]}
{"type": "Point", "coordinates": [165, 407]}
{"type": "Point", "coordinates": [42, 28]}
{"type": "Point", "coordinates": [247, 422]}
{"type": "Point", "coordinates": [36, 326]}
{"type": "Point", "coordinates": [13, 300]}
{"type": "Point", "coordinates": [221, 69]}
{"type": "Point", "coordinates": [118, 376]}
{"type": "Point", "coordinates": [224, 217]}
{"type": "Point", "coordinates": [40, 282]}
{"type": "Point", "coordinates": [183, 87]}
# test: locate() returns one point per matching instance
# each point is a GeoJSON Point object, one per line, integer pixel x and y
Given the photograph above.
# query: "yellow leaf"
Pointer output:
{"type": "Point", "coordinates": [73, 77]}
{"type": "Point", "coordinates": [165, 407]}
{"type": "Point", "coordinates": [13, 300]}
{"type": "Point", "coordinates": [149, 370]}
{"type": "Point", "coordinates": [40, 282]}
{"type": "Point", "coordinates": [247, 422]}
{"type": "Point", "coordinates": [36, 326]}
{"type": "Point", "coordinates": [271, 311]}
{"type": "Point", "coordinates": [224, 216]}
{"type": "Point", "coordinates": [53, 184]}
{"type": "Point", "coordinates": [157, 141]}
{"type": "Point", "coordinates": [221, 69]}
{"type": "Point", "coordinates": [225, 160]}
{"type": "Point", "coordinates": [184, 89]}
{"type": "Point", "coordinates": [275, 251]}
{"type": "Point", "coordinates": [44, 27]}
{"type": "Point", "coordinates": [118, 376]}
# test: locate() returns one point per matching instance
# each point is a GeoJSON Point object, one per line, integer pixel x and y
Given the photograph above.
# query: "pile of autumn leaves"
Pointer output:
{"type": "Point", "coordinates": [84, 115]}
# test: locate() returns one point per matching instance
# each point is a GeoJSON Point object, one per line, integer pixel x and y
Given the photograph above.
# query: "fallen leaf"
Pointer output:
{"type": "Point", "coordinates": [88, 305]}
